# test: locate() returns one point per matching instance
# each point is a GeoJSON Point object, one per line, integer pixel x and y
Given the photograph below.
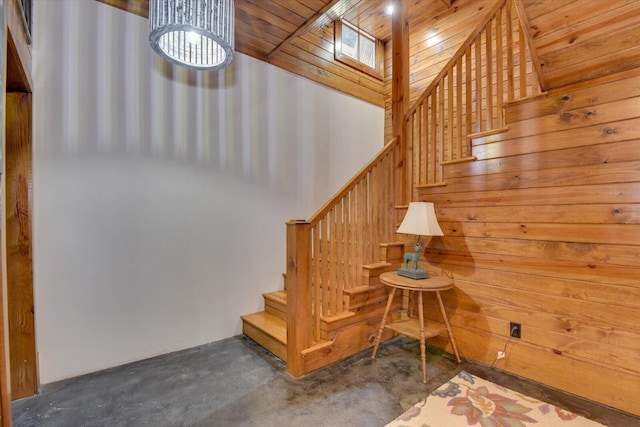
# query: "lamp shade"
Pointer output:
{"type": "Point", "coordinates": [195, 33]}
{"type": "Point", "coordinates": [420, 220]}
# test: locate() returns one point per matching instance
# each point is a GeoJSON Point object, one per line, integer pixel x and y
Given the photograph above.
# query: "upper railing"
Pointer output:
{"type": "Point", "coordinates": [491, 67]}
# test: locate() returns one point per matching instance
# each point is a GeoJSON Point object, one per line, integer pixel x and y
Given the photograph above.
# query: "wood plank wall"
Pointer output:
{"type": "Point", "coordinates": [311, 56]}
{"type": "Point", "coordinates": [544, 230]}
{"type": "Point", "coordinates": [581, 40]}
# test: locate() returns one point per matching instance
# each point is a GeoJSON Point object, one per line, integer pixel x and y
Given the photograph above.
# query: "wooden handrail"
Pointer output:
{"type": "Point", "coordinates": [349, 185]}
{"type": "Point", "coordinates": [524, 23]}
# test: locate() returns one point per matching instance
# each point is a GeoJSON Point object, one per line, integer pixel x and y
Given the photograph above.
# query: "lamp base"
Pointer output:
{"type": "Point", "coordinates": [413, 273]}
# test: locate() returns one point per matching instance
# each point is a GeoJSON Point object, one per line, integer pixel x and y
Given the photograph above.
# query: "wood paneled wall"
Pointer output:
{"type": "Point", "coordinates": [581, 40]}
{"type": "Point", "coordinates": [312, 56]}
{"type": "Point", "coordinates": [544, 230]}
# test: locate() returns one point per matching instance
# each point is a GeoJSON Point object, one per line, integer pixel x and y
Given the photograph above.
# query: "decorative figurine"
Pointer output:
{"type": "Point", "coordinates": [414, 271]}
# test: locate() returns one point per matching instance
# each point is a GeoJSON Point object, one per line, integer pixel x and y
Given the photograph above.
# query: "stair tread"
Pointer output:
{"type": "Point", "coordinates": [280, 296]}
{"type": "Point", "coordinates": [380, 264]}
{"type": "Point", "coordinates": [458, 161]}
{"type": "Point", "coordinates": [269, 324]}
{"type": "Point", "coordinates": [489, 132]}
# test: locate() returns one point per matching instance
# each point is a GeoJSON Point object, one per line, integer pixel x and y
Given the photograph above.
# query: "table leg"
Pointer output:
{"type": "Point", "coordinates": [383, 322]}
{"type": "Point", "coordinates": [446, 323]}
{"type": "Point", "coordinates": [423, 346]}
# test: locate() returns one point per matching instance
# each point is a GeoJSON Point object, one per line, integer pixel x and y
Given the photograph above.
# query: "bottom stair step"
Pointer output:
{"type": "Point", "coordinates": [267, 330]}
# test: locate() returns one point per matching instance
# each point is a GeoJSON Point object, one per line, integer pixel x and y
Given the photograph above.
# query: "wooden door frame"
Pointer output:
{"type": "Point", "coordinates": [5, 388]}
{"type": "Point", "coordinates": [18, 244]}
{"type": "Point", "coordinates": [15, 75]}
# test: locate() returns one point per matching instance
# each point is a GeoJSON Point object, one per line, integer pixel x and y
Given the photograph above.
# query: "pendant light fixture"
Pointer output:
{"type": "Point", "coordinates": [195, 33]}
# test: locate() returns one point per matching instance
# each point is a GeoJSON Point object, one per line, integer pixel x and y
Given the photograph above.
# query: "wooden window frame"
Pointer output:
{"type": "Point", "coordinates": [378, 71]}
{"type": "Point", "coordinates": [25, 7]}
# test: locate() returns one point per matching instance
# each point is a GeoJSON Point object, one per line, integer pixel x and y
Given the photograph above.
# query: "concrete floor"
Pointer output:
{"type": "Point", "coordinates": [235, 382]}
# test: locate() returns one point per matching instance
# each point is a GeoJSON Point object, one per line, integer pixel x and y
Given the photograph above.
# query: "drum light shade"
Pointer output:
{"type": "Point", "coordinates": [194, 33]}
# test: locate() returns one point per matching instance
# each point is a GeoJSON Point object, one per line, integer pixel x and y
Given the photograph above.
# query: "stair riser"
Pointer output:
{"type": "Point", "coordinates": [274, 346]}
{"type": "Point", "coordinates": [275, 307]}
{"type": "Point", "coordinates": [347, 342]}
{"type": "Point", "coordinates": [371, 313]}
{"type": "Point", "coordinates": [358, 300]}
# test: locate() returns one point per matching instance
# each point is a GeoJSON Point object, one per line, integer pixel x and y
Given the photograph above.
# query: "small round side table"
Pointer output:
{"type": "Point", "coordinates": [413, 327]}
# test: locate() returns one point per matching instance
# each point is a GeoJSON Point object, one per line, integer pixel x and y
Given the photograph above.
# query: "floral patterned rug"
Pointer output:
{"type": "Point", "coordinates": [467, 400]}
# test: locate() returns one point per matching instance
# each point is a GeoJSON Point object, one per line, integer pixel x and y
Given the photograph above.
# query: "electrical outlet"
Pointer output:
{"type": "Point", "coordinates": [515, 330]}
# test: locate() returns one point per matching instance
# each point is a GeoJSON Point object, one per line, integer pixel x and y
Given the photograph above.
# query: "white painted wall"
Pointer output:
{"type": "Point", "coordinates": [161, 194]}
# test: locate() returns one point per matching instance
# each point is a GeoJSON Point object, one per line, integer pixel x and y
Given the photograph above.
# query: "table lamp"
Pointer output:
{"type": "Point", "coordinates": [420, 220]}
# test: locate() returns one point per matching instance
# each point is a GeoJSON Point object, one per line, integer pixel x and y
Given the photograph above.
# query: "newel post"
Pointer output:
{"type": "Point", "coordinates": [400, 92]}
{"type": "Point", "coordinates": [299, 315]}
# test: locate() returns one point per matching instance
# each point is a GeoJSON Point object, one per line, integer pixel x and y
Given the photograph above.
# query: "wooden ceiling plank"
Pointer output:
{"type": "Point", "coordinates": [273, 13]}
{"type": "Point", "coordinates": [300, 9]}
{"type": "Point", "coordinates": [372, 18]}
{"type": "Point", "coordinates": [251, 15]}
{"type": "Point", "coordinates": [137, 7]}
{"type": "Point", "coordinates": [536, 8]}
{"type": "Point", "coordinates": [303, 28]}
{"type": "Point", "coordinates": [314, 5]}
{"type": "Point", "coordinates": [248, 22]}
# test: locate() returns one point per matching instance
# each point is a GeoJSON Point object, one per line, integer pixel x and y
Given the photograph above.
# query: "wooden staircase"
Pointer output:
{"type": "Point", "coordinates": [335, 300]}
{"type": "Point", "coordinates": [341, 334]}
{"type": "Point", "coordinates": [269, 327]}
